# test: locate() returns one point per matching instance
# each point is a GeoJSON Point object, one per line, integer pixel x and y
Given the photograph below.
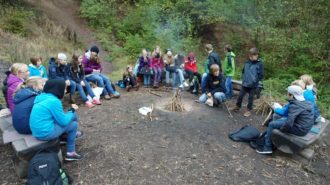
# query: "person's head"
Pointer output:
{"type": "Point", "coordinates": [169, 53]}
{"type": "Point", "coordinates": [144, 52]}
{"type": "Point", "coordinates": [228, 48]}
{"type": "Point", "coordinates": [20, 70]}
{"type": "Point", "coordinates": [94, 50]}
{"type": "Point", "coordinates": [61, 59]}
{"type": "Point", "coordinates": [299, 83]}
{"type": "Point", "coordinates": [35, 82]}
{"type": "Point", "coordinates": [254, 54]}
{"type": "Point", "coordinates": [36, 60]}
{"type": "Point", "coordinates": [307, 79]}
{"type": "Point", "coordinates": [214, 69]}
{"type": "Point", "coordinates": [129, 68]}
{"type": "Point", "coordinates": [55, 87]}
{"type": "Point", "coordinates": [156, 53]}
{"type": "Point", "coordinates": [208, 47]}
{"type": "Point", "coordinates": [296, 92]}
{"type": "Point", "coordinates": [191, 56]}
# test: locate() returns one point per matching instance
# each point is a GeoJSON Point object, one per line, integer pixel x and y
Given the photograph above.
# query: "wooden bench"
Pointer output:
{"type": "Point", "coordinates": [24, 146]}
{"type": "Point", "coordinates": [292, 144]}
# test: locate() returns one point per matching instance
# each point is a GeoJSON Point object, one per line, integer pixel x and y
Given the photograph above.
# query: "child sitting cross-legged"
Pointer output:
{"type": "Point", "coordinates": [215, 87]}
{"type": "Point", "coordinates": [129, 79]}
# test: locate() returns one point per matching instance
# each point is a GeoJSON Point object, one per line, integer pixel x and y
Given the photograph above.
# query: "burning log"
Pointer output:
{"type": "Point", "coordinates": [176, 104]}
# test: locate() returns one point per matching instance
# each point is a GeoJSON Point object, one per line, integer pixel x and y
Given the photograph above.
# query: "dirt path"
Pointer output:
{"type": "Point", "coordinates": [65, 13]}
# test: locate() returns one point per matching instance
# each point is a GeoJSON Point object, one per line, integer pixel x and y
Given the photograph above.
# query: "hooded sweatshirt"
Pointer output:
{"type": "Point", "coordinates": [48, 110]}
{"type": "Point", "coordinates": [23, 101]}
{"type": "Point", "coordinates": [229, 64]}
{"type": "Point", "coordinates": [215, 84]}
{"type": "Point", "coordinates": [90, 65]}
{"type": "Point", "coordinates": [190, 65]}
{"type": "Point", "coordinates": [12, 82]}
{"type": "Point", "coordinates": [300, 118]}
{"type": "Point", "coordinates": [38, 71]}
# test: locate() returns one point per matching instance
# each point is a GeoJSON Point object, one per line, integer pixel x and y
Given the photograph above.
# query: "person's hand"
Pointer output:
{"type": "Point", "coordinates": [209, 94]}
{"type": "Point", "coordinates": [67, 82]}
{"type": "Point", "coordinates": [82, 83]}
{"type": "Point", "coordinates": [74, 106]}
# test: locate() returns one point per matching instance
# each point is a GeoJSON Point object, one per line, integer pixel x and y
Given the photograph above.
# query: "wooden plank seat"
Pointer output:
{"type": "Point", "coordinates": [292, 144]}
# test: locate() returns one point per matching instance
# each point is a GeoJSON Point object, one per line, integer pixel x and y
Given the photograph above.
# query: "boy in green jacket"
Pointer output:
{"type": "Point", "coordinates": [229, 69]}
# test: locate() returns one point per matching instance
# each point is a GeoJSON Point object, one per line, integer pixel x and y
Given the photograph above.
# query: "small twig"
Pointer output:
{"type": "Point", "coordinates": [155, 93]}
{"type": "Point", "coordinates": [268, 117]}
{"type": "Point", "coordinates": [228, 110]}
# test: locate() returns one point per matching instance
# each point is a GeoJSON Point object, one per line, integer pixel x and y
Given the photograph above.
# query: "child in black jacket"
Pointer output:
{"type": "Point", "coordinates": [129, 79]}
{"type": "Point", "coordinates": [77, 74]}
{"type": "Point", "coordinates": [215, 86]}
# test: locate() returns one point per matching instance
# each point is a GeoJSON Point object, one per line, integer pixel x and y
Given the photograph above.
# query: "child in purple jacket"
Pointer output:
{"type": "Point", "coordinates": [19, 73]}
{"type": "Point", "coordinates": [145, 68]}
{"type": "Point", "coordinates": [93, 69]}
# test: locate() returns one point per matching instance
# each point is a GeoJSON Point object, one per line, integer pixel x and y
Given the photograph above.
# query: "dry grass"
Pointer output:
{"type": "Point", "coordinates": [46, 40]}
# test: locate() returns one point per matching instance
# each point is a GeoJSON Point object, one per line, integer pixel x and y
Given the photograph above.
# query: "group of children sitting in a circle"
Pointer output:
{"type": "Point", "coordinates": [34, 98]}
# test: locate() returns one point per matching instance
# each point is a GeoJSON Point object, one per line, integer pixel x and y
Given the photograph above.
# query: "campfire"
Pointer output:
{"type": "Point", "coordinates": [176, 104]}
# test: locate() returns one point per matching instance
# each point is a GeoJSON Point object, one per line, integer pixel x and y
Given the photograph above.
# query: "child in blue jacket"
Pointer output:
{"type": "Point", "coordinates": [48, 120]}
{"type": "Point", "coordinates": [36, 68]}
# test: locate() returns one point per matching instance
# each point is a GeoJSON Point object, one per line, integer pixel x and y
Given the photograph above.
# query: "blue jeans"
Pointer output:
{"type": "Point", "coordinates": [276, 124]}
{"type": "Point", "coordinates": [229, 87]}
{"type": "Point", "coordinates": [177, 73]}
{"type": "Point", "coordinates": [70, 129]}
{"type": "Point", "coordinates": [203, 82]}
{"type": "Point", "coordinates": [220, 96]}
{"type": "Point", "coordinates": [73, 86]}
{"type": "Point", "coordinates": [157, 75]}
{"type": "Point", "coordinates": [146, 80]}
{"type": "Point", "coordinates": [82, 92]}
{"type": "Point", "coordinates": [101, 81]}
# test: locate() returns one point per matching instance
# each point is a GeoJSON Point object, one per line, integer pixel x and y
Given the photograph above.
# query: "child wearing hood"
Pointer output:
{"type": "Point", "coordinates": [18, 73]}
{"type": "Point", "coordinates": [23, 100]}
{"type": "Point", "coordinates": [36, 68]}
{"type": "Point", "coordinates": [229, 69]}
{"type": "Point", "coordinates": [48, 121]}
{"type": "Point", "coordinates": [93, 68]}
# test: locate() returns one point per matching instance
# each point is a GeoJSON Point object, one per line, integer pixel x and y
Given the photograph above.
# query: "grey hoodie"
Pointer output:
{"type": "Point", "coordinates": [300, 118]}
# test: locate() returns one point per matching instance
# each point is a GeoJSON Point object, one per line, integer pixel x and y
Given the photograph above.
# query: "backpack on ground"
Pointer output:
{"type": "Point", "coordinates": [45, 169]}
{"type": "Point", "coordinates": [245, 134]}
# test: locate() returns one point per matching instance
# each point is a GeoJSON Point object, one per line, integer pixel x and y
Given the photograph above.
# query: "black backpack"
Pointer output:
{"type": "Point", "coordinates": [45, 169]}
{"type": "Point", "coordinates": [5, 87]}
{"type": "Point", "coordinates": [245, 134]}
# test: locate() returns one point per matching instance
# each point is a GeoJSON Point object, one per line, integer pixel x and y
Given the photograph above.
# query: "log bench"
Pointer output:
{"type": "Point", "coordinates": [292, 144]}
{"type": "Point", "coordinates": [24, 146]}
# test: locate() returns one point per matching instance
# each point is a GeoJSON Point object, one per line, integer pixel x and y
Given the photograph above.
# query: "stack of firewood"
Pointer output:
{"type": "Point", "coordinates": [176, 104]}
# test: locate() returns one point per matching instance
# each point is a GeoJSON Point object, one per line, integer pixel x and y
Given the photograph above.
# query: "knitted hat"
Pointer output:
{"type": "Point", "coordinates": [95, 49]}
{"type": "Point", "coordinates": [62, 56]}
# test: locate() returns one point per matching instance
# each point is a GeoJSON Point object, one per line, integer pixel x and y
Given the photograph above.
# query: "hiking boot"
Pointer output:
{"type": "Point", "coordinates": [247, 113]}
{"type": "Point", "coordinates": [128, 88]}
{"type": "Point", "coordinates": [107, 97]}
{"type": "Point", "coordinates": [115, 95]}
{"type": "Point", "coordinates": [235, 109]}
{"type": "Point", "coordinates": [136, 87]}
{"type": "Point", "coordinates": [264, 150]}
{"type": "Point", "coordinates": [96, 101]}
{"type": "Point", "coordinates": [72, 157]}
{"type": "Point", "coordinates": [89, 104]}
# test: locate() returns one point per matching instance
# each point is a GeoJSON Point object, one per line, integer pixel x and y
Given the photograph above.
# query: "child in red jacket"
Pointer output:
{"type": "Point", "coordinates": [190, 67]}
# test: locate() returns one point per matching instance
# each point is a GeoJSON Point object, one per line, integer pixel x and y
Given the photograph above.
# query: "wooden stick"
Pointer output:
{"type": "Point", "coordinates": [155, 93]}
{"type": "Point", "coordinates": [228, 110]}
{"type": "Point", "coordinates": [267, 118]}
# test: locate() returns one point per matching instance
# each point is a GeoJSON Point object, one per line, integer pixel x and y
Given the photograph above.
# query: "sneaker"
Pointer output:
{"type": "Point", "coordinates": [235, 109]}
{"type": "Point", "coordinates": [181, 86]}
{"type": "Point", "coordinates": [72, 157]}
{"type": "Point", "coordinates": [247, 113]}
{"type": "Point", "coordinates": [185, 84]}
{"type": "Point", "coordinates": [264, 150]}
{"type": "Point", "coordinates": [116, 95]}
{"type": "Point", "coordinates": [107, 97]}
{"type": "Point", "coordinates": [79, 134]}
{"type": "Point", "coordinates": [89, 104]}
{"type": "Point", "coordinates": [96, 101]}
{"type": "Point", "coordinates": [64, 137]}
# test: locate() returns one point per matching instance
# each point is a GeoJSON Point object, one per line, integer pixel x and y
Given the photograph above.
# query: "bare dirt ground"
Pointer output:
{"type": "Point", "coordinates": [123, 147]}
